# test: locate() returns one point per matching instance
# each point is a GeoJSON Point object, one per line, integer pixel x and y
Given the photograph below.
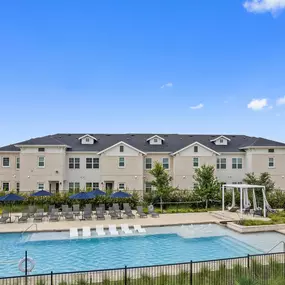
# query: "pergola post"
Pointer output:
{"type": "Point", "coordinates": [241, 189]}
{"type": "Point", "coordinates": [223, 198]}
{"type": "Point", "coordinates": [264, 204]}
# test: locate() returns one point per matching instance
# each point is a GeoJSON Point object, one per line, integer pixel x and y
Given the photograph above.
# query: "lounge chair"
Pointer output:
{"type": "Point", "coordinates": [233, 209]}
{"type": "Point", "coordinates": [113, 214]}
{"type": "Point", "coordinates": [50, 207]}
{"type": "Point", "coordinates": [129, 213]}
{"type": "Point", "coordinates": [103, 207]}
{"type": "Point", "coordinates": [125, 229]}
{"type": "Point", "coordinates": [126, 206]}
{"type": "Point", "coordinates": [73, 232]}
{"type": "Point", "coordinates": [257, 212]}
{"type": "Point", "coordinates": [39, 215]}
{"type": "Point", "coordinates": [5, 217]}
{"type": "Point", "coordinates": [87, 215]}
{"type": "Point", "coordinates": [246, 210]}
{"type": "Point", "coordinates": [86, 232]}
{"type": "Point", "coordinates": [76, 209]}
{"type": "Point", "coordinates": [140, 212]}
{"type": "Point", "coordinates": [32, 210]}
{"type": "Point", "coordinates": [139, 229]}
{"type": "Point", "coordinates": [100, 230]}
{"type": "Point", "coordinates": [99, 214]}
{"type": "Point", "coordinates": [24, 218]}
{"type": "Point", "coordinates": [113, 230]}
{"type": "Point", "coordinates": [54, 216]}
{"type": "Point", "coordinates": [152, 212]}
{"type": "Point", "coordinates": [88, 207]}
{"type": "Point", "coordinates": [69, 215]}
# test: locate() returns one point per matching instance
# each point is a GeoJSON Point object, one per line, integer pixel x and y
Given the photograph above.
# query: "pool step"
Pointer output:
{"type": "Point", "coordinates": [233, 243]}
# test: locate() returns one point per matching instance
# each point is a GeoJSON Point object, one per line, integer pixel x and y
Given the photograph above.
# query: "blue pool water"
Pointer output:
{"type": "Point", "coordinates": [110, 252]}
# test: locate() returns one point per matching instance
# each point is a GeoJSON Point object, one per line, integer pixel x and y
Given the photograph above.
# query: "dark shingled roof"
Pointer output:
{"type": "Point", "coordinates": [172, 142]}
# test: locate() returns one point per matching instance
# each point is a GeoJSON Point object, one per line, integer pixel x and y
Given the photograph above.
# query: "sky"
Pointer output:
{"type": "Point", "coordinates": [125, 66]}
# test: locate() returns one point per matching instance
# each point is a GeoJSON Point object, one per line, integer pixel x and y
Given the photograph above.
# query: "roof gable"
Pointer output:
{"type": "Point", "coordinates": [220, 137]}
{"type": "Point", "coordinates": [87, 136]}
{"type": "Point", "coordinates": [119, 143]}
{"type": "Point", "coordinates": [155, 137]}
{"type": "Point", "coordinates": [193, 144]}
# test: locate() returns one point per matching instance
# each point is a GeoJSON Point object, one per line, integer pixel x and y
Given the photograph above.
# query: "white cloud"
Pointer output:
{"type": "Point", "coordinates": [257, 104]}
{"type": "Point", "coordinates": [264, 6]}
{"type": "Point", "coordinates": [270, 107]}
{"type": "Point", "coordinates": [167, 85]}
{"type": "Point", "coordinates": [199, 106]}
{"type": "Point", "coordinates": [280, 101]}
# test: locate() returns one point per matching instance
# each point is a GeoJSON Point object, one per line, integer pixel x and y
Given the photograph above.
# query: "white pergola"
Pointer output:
{"type": "Point", "coordinates": [240, 187]}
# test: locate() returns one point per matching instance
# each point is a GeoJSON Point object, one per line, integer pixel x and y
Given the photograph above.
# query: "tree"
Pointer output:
{"type": "Point", "coordinates": [264, 179]}
{"type": "Point", "coordinates": [207, 185]}
{"type": "Point", "coordinates": [161, 182]}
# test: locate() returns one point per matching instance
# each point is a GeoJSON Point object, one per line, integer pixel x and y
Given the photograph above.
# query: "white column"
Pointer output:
{"type": "Point", "coordinates": [264, 204]}
{"type": "Point", "coordinates": [223, 198]}
{"type": "Point", "coordinates": [241, 200]}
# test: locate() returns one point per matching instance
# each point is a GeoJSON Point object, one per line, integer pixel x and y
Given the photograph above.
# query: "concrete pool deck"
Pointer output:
{"type": "Point", "coordinates": [162, 220]}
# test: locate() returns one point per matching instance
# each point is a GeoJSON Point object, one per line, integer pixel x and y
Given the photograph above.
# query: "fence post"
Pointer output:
{"type": "Point", "coordinates": [191, 272]}
{"type": "Point", "coordinates": [51, 278]}
{"type": "Point", "coordinates": [248, 261]}
{"type": "Point", "coordinates": [126, 277]}
{"type": "Point", "coordinates": [26, 267]}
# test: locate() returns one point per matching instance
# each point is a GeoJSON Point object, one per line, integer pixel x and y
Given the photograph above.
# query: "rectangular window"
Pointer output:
{"type": "Point", "coordinates": [88, 186]}
{"type": "Point", "coordinates": [95, 185]}
{"type": "Point", "coordinates": [77, 163]}
{"type": "Point", "coordinates": [271, 162]}
{"type": "Point", "coordinates": [5, 186]}
{"type": "Point", "coordinates": [96, 162]}
{"type": "Point", "coordinates": [148, 187]}
{"type": "Point", "coordinates": [195, 161]}
{"type": "Point", "coordinates": [121, 162]}
{"type": "Point", "coordinates": [71, 163]}
{"type": "Point", "coordinates": [121, 148]}
{"type": "Point", "coordinates": [195, 185]}
{"type": "Point", "coordinates": [88, 162]}
{"type": "Point", "coordinates": [165, 163]}
{"type": "Point", "coordinates": [148, 163]}
{"type": "Point", "coordinates": [71, 186]}
{"type": "Point", "coordinates": [6, 162]}
{"type": "Point", "coordinates": [41, 149]}
{"type": "Point", "coordinates": [41, 161]}
{"type": "Point", "coordinates": [237, 163]}
{"type": "Point", "coordinates": [221, 163]}
{"type": "Point", "coordinates": [18, 162]}
{"type": "Point", "coordinates": [122, 186]}
{"type": "Point", "coordinates": [18, 187]}
{"type": "Point", "coordinates": [41, 186]}
{"type": "Point", "coordinates": [271, 150]}
{"type": "Point", "coordinates": [76, 186]}
{"type": "Point", "coordinates": [195, 148]}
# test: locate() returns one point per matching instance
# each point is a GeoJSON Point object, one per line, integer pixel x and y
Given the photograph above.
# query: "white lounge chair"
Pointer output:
{"type": "Point", "coordinates": [113, 230]}
{"type": "Point", "coordinates": [86, 232]}
{"type": "Point", "coordinates": [73, 232]}
{"type": "Point", "coordinates": [100, 230]}
{"type": "Point", "coordinates": [125, 229]}
{"type": "Point", "coordinates": [139, 229]}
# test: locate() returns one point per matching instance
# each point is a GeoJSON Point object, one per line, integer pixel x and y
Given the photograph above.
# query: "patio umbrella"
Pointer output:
{"type": "Point", "coordinates": [11, 197]}
{"type": "Point", "coordinates": [98, 192]}
{"type": "Point", "coordinates": [41, 193]}
{"type": "Point", "coordinates": [82, 196]}
{"type": "Point", "coordinates": [121, 194]}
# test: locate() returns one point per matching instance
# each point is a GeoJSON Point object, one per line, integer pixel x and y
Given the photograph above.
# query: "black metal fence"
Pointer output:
{"type": "Point", "coordinates": [263, 269]}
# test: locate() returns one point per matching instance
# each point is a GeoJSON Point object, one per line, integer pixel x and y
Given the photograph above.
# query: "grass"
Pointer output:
{"type": "Point", "coordinates": [278, 218]}
{"type": "Point", "coordinates": [183, 209]}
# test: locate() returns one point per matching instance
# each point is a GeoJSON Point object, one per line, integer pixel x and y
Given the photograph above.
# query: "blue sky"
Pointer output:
{"type": "Point", "coordinates": [211, 66]}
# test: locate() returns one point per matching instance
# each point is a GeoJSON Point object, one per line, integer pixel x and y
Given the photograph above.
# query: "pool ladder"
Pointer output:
{"type": "Point", "coordinates": [29, 228]}
{"type": "Point", "coordinates": [281, 242]}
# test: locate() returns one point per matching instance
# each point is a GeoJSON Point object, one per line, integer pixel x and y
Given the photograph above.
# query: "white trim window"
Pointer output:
{"type": "Point", "coordinates": [6, 161]}
{"type": "Point", "coordinates": [17, 162]}
{"type": "Point", "coordinates": [41, 161]}
{"type": "Point", "coordinates": [271, 162]}
{"type": "Point", "coordinates": [41, 149]}
{"type": "Point", "coordinates": [74, 163]}
{"type": "Point", "coordinates": [122, 148]}
{"type": "Point", "coordinates": [237, 163]}
{"type": "Point", "coordinates": [122, 186]}
{"type": "Point", "coordinates": [148, 187]}
{"type": "Point", "coordinates": [195, 162]}
{"type": "Point", "coordinates": [92, 163]}
{"type": "Point", "coordinates": [165, 163]}
{"type": "Point", "coordinates": [196, 148]}
{"type": "Point", "coordinates": [121, 162]}
{"type": "Point", "coordinates": [5, 186]}
{"type": "Point", "coordinates": [18, 187]}
{"type": "Point", "coordinates": [74, 186]}
{"type": "Point", "coordinates": [221, 163]}
{"type": "Point", "coordinates": [148, 163]}
{"type": "Point", "coordinates": [92, 186]}
{"type": "Point", "coordinates": [40, 186]}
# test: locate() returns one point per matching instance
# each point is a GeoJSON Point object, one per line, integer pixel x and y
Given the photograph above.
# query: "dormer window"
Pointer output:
{"type": "Point", "coordinates": [121, 148]}
{"type": "Point", "coordinates": [155, 140]}
{"type": "Point", "coordinates": [221, 140]}
{"type": "Point", "coordinates": [195, 148]}
{"type": "Point", "coordinates": [87, 139]}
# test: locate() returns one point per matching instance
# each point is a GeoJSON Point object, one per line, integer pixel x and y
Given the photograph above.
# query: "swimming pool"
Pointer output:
{"type": "Point", "coordinates": [56, 252]}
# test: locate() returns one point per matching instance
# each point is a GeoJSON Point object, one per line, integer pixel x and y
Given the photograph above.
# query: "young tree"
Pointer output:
{"type": "Point", "coordinates": [161, 182]}
{"type": "Point", "coordinates": [207, 185]}
{"type": "Point", "coordinates": [264, 179]}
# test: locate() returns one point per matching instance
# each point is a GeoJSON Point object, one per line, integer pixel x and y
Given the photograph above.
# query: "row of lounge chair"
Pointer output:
{"type": "Point", "coordinates": [112, 229]}
{"type": "Point", "coordinates": [70, 214]}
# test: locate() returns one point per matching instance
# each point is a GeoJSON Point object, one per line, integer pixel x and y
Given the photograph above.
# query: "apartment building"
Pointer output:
{"type": "Point", "coordinates": [122, 161]}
